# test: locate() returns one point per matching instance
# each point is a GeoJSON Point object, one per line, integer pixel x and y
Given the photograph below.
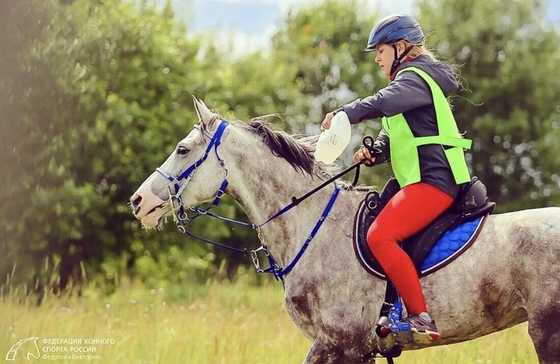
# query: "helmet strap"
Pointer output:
{"type": "Point", "coordinates": [398, 58]}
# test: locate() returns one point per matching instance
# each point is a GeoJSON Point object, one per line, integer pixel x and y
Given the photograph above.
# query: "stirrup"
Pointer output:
{"type": "Point", "coordinates": [395, 332]}
{"type": "Point", "coordinates": [393, 321]}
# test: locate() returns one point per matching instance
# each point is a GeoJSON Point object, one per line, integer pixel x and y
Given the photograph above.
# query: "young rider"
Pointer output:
{"type": "Point", "coordinates": [421, 139]}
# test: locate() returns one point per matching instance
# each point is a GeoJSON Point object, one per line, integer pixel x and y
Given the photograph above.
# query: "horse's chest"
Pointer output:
{"type": "Point", "coordinates": [302, 305]}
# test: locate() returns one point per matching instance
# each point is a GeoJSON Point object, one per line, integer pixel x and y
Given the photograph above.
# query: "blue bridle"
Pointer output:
{"type": "Point", "coordinates": [181, 218]}
{"type": "Point", "coordinates": [188, 173]}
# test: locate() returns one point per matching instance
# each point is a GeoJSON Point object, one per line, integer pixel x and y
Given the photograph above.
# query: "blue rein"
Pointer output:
{"type": "Point", "coordinates": [279, 273]}
{"type": "Point", "coordinates": [181, 218]}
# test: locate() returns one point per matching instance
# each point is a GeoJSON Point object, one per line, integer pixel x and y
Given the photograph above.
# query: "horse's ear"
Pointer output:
{"type": "Point", "coordinates": [205, 116]}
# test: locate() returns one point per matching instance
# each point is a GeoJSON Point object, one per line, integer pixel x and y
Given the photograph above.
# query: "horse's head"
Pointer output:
{"type": "Point", "coordinates": [194, 162]}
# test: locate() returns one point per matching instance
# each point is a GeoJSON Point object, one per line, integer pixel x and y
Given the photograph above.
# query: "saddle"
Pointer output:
{"type": "Point", "coordinates": [465, 217]}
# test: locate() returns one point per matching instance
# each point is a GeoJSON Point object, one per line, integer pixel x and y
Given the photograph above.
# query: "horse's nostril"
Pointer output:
{"type": "Point", "coordinates": [136, 201]}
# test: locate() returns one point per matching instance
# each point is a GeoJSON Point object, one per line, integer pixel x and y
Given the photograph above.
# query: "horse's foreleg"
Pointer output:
{"type": "Point", "coordinates": [329, 353]}
{"type": "Point", "coordinates": [324, 353]}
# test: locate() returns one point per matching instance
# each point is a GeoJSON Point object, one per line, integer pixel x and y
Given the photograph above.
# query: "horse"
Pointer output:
{"type": "Point", "coordinates": [509, 275]}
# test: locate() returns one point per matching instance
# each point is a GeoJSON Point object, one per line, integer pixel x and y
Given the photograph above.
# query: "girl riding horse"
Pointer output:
{"type": "Point", "coordinates": [421, 139]}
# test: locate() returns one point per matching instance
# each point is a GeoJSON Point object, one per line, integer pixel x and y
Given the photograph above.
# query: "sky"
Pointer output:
{"type": "Point", "coordinates": [249, 24]}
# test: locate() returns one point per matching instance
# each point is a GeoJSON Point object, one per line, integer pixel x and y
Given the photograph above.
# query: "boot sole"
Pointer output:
{"type": "Point", "coordinates": [426, 337]}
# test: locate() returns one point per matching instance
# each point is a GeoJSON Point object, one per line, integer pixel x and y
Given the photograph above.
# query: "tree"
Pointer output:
{"type": "Point", "coordinates": [507, 57]}
{"type": "Point", "coordinates": [108, 84]}
{"type": "Point", "coordinates": [322, 48]}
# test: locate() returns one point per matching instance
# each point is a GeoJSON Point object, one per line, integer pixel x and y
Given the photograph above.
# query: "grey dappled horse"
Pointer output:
{"type": "Point", "coordinates": [510, 274]}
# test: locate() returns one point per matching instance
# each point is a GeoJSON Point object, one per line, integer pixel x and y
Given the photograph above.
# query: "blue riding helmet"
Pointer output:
{"type": "Point", "coordinates": [393, 28]}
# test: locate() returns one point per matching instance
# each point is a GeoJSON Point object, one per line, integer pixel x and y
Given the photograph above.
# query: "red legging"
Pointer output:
{"type": "Point", "coordinates": [408, 212]}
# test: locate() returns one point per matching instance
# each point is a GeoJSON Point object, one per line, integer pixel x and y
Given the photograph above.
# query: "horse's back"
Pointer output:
{"type": "Point", "coordinates": [524, 238]}
{"type": "Point", "coordinates": [534, 227]}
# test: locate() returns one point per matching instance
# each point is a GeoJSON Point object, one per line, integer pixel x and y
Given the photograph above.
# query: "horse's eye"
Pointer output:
{"type": "Point", "coordinates": [182, 150]}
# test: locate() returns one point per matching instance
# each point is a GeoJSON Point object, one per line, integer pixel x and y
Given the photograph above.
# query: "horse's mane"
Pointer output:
{"type": "Point", "coordinates": [298, 152]}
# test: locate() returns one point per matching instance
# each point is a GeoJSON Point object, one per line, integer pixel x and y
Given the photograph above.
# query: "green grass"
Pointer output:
{"type": "Point", "coordinates": [213, 323]}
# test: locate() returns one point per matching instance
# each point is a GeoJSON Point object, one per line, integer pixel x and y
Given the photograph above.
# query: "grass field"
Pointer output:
{"type": "Point", "coordinates": [214, 323]}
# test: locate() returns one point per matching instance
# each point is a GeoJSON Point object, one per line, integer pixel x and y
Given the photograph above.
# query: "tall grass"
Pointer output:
{"type": "Point", "coordinates": [213, 323]}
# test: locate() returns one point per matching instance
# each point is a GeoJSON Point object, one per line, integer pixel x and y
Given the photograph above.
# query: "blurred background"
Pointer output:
{"type": "Point", "coordinates": [94, 94]}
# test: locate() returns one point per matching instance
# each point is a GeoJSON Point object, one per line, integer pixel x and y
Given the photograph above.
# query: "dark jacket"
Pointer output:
{"type": "Point", "coordinates": [410, 95]}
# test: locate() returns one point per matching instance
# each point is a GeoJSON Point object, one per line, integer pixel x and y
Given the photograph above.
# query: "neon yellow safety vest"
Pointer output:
{"type": "Point", "coordinates": [404, 145]}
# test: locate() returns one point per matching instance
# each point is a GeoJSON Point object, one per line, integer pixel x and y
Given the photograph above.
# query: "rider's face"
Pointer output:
{"type": "Point", "coordinates": [386, 55]}
{"type": "Point", "coordinates": [384, 58]}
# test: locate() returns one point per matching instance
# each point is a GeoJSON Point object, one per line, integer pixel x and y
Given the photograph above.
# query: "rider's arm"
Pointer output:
{"type": "Point", "coordinates": [406, 92]}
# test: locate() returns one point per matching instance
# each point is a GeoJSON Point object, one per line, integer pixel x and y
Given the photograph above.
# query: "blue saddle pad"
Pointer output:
{"type": "Point", "coordinates": [450, 243]}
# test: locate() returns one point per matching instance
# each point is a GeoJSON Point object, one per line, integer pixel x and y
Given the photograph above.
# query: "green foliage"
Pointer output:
{"type": "Point", "coordinates": [108, 82]}
{"type": "Point", "coordinates": [322, 46]}
{"type": "Point", "coordinates": [94, 95]}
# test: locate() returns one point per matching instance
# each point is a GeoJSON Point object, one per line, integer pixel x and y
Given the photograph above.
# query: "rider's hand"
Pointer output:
{"type": "Point", "coordinates": [363, 155]}
{"type": "Point", "coordinates": [326, 124]}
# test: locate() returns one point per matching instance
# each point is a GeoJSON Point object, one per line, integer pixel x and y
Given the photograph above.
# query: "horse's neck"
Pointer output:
{"type": "Point", "coordinates": [265, 186]}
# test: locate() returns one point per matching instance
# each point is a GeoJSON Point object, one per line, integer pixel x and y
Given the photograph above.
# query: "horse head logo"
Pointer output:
{"type": "Point", "coordinates": [32, 351]}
